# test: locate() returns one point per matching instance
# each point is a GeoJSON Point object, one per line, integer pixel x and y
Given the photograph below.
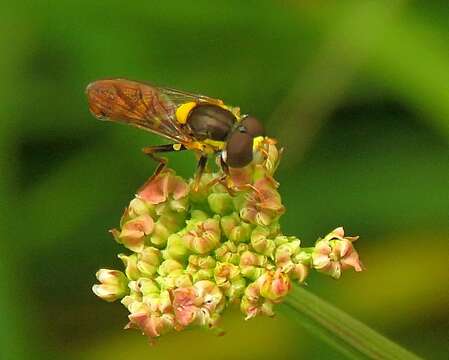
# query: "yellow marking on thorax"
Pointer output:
{"type": "Point", "coordinates": [201, 146]}
{"type": "Point", "coordinates": [183, 111]}
{"type": "Point", "coordinates": [218, 145]}
{"type": "Point", "coordinates": [177, 147]}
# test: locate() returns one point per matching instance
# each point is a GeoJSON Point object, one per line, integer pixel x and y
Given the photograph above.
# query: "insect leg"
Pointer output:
{"type": "Point", "coordinates": [162, 162]}
{"type": "Point", "coordinates": [199, 171]}
{"type": "Point", "coordinates": [222, 179]}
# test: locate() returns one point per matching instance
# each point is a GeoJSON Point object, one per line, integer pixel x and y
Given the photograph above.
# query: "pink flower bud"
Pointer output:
{"type": "Point", "coordinates": [166, 185]}
{"type": "Point", "coordinates": [253, 303]}
{"type": "Point", "coordinates": [335, 253]}
{"type": "Point", "coordinates": [134, 232]}
{"type": "Point", "coordinates": [205, 236]}
{"type": "Point", "coordinates": [264, 203]}
{"type": "Point", "coordinates": [274, 285]}
{"type": "Point", "coordinates": [152, 325]}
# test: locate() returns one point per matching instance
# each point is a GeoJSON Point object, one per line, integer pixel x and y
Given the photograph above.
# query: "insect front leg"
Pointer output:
{"type": "Point", "coordinates": [162, 162]}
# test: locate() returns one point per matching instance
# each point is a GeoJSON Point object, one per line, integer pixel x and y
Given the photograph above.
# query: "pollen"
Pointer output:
{"type": "Point", "coordinates": [257, 141]}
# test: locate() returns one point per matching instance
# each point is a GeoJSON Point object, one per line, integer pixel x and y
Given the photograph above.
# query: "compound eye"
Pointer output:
{"type": "Point", "coordinates": [253, 126]}
{"type": "Point", "coordinates": [239, 149]}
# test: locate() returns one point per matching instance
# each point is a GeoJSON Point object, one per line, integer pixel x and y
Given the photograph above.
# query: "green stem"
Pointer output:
{"type": "Point", "coordinates": [346, 334]}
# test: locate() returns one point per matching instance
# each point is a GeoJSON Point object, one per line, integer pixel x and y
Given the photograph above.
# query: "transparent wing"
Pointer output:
{"type": "Point", "coordinates": [180, 97]}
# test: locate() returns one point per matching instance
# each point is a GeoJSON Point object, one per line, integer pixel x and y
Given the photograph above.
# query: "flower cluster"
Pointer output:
{"type": "Point", "coordinates": [194, 250]}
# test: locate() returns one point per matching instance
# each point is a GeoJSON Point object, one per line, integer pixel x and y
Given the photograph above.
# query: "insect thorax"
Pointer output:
{"type": "Point", "coordinates": [211, 122]}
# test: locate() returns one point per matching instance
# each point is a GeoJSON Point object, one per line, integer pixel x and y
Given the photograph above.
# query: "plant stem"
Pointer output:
{"type": "Point", "coordinates": [348, 335]}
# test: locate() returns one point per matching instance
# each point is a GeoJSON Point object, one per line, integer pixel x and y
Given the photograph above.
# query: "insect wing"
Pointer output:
{"type": "Point", "coordinates": [137, 104]}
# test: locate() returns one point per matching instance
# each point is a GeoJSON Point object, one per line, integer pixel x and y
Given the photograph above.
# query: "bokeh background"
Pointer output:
{"type": "Point", "coordinates": [356, 91]}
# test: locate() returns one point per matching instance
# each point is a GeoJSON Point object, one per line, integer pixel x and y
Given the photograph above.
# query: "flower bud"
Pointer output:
{"type": "Point", "coordinates": [139, 207]}
{"type": "Point", "coordinates": [148, 261]}
{"type": "Point", "coordinates": [253, 303]}
{"type": "Point", "coordinates": [168, 266]}
{"type": "Point", "coordinates": [134, 232]}
{"type": "Point", "coordinates": [335, 253]}
{"type": "Point", "coordinates": [263, 204]}
{"type": "Point", "coordinates": [199, 304]}
{"type": "Point", "coordinates": [228, 252]}
{"type": "Point", "coordinates": [252, 264]}
{"type": "Point", "coordinates": [114, 285]}
{"type": "Point", "coordinates": [168, 223]}
{"type": "Point", "coordinates": [172, 275]}
{"type": "Point", "coordinates": [132, 301]}
{"type": "Point", "coordinates": [176, 248]}
{"type": "Point", "coordinates": [220, 203]}
{"type": "Point", "coordinates": [147, 287]}
{"type": "Point", "coordinates": [274, 285]}
{"type": "Point", "coordinates": [229, 280]}
{"type": "Point", "coordinates": [201, 267]}
{"type": "Point", "coordinates": [235, 229]}
{"type": "Point", "coordinates": [165, 187]}
{"type": "Point", "coordinates": [205, 237]}
{"type": "Point", "coordinates": [260, 241]}
{"type": "Point", "coordinates": [152, 325]}
{"type": "Point", "coordinates": [130, 262]}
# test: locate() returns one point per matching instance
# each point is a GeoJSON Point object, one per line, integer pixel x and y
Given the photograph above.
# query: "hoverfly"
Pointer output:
{"type": "Point", "coordinates": [192, 122]}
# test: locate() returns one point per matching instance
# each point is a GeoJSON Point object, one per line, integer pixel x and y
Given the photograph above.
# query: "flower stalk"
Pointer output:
{"type": "Point", "coordinates": [349, 336]}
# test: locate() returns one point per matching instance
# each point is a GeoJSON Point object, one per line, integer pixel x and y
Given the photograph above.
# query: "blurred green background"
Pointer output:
{"type": "Point", "coordinates": [356, 91]}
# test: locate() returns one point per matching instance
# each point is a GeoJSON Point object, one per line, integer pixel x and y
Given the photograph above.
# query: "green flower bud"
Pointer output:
{"type": "Point", "coordinates": [176, 248]}
{"type": "Point", "coordinates": [230, 252]}
{"type": "Point", "coordinates": [220, 203]}
{"type": "Point", "coordinates": [132, 301]}
{"type": "Point", "coordinates": [114, 285]}
{"type": "Point", "coordinates": [229, 280]}
{"type": "Point", "coordinates": [201, 267]}
{"type": "Point", "coordinates": [131, 269]}
{"type": "Point", "coordinates": [172, 274]}
{"type": "Point", "coordinates": [148, 261]}
{"type": "Point", "coordinates": [253, 265]}
{"type": "Point", "coordinates": [235, 229]}
{"type": "Point", "coordinates": [168, 223]}
{"type": "Point", "coordinates": [147, 287]}
{"type": "Point", "coordinates": [168, 266]}
{"type": "Point", "coordinates": [260, 241]}
{"type": "Point", "coordinates": [138, 207]}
